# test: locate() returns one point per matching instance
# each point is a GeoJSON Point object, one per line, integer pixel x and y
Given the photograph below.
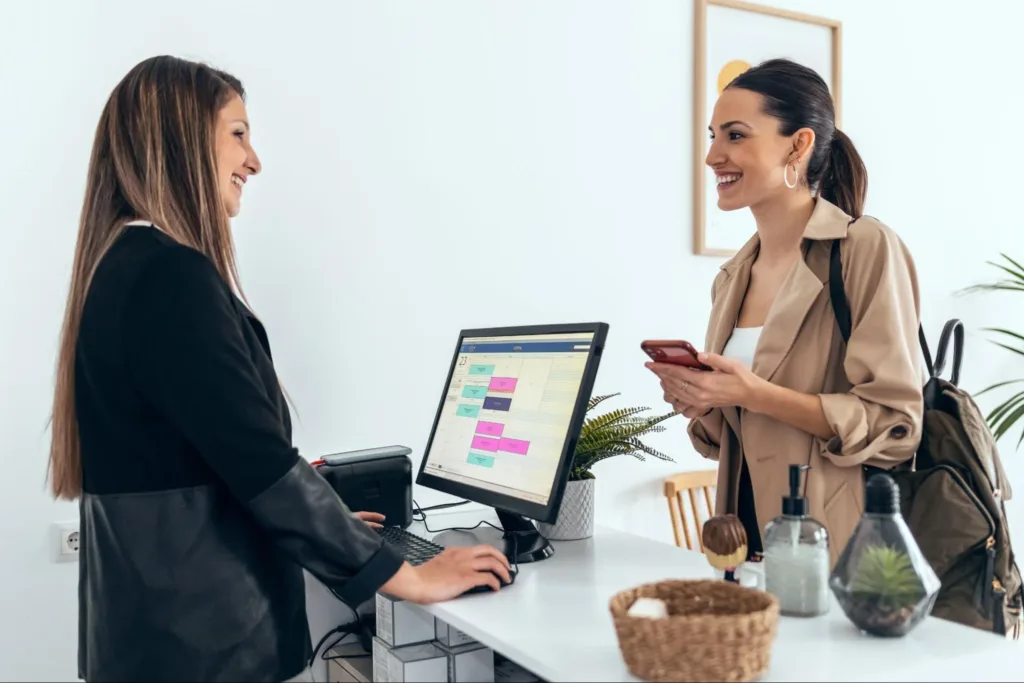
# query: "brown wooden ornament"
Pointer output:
{"type": "Point", "coordinates": [725, 544]}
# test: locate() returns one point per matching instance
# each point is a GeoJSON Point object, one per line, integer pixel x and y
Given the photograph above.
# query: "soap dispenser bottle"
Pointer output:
{"type": "Point", "coordinates": [796, 557]}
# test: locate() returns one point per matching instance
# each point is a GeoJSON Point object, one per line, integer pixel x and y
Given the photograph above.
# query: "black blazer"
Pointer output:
{"type": "Point", "coordinates": [197, 513]}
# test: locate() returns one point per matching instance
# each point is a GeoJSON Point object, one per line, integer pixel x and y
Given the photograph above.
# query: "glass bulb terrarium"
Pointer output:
{"type": "Point", "coordinates": [882, 581]}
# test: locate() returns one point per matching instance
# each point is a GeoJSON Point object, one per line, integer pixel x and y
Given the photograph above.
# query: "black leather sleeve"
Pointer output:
{"type": "Point", "coordinates": [185, 348]}
{"type": "Point", "coordinates": [314, 526]}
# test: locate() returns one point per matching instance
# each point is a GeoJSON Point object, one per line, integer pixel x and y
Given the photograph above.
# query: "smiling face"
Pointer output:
{"type": "Point", "coordinates": [749, 155]}
{"type": "Point", "coordinates": [236, 160]}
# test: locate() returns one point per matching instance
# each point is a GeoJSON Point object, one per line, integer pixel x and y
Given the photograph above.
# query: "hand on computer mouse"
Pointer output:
{"type": "Point", "coordinates": [450, 574]}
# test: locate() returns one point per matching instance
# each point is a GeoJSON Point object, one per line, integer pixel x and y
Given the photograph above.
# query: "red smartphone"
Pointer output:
{"type": "Point", "coordinates": [675, 351]}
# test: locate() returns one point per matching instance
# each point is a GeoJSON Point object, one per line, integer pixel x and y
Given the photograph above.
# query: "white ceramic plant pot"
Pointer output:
{"type": "Point", "coordinates": [576, 515]}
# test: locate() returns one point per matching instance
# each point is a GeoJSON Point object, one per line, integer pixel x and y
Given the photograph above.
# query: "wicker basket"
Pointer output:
{"type": "Point", "coordinates": [715, 631]}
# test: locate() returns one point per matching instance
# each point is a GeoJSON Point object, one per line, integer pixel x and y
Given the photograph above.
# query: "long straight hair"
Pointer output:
{"type": "Point", "coordinates": [153, 158]}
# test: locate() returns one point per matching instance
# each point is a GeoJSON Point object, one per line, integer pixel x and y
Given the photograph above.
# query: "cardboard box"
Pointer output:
{"type": "Point", "coordinates": [422, 663]}
{"type": "Point", "coordinates": [349, 663]}
{"type": "Point", "coordinates": [402, 623]}
{"type": "Point", "coordinates": [449, 636]}
{"type": "Point", "coordinates": [470, 663]}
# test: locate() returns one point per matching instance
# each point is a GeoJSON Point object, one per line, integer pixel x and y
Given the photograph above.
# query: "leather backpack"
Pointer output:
{"type": "Point", "coordinates": [953, 491]}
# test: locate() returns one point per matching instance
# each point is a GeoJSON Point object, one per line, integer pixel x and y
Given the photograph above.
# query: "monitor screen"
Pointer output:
{"type": "Point", "coordinates": [507, 412]}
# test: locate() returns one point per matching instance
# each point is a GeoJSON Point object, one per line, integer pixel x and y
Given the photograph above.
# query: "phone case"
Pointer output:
{"type": "Point", "coordinates": [677, 352]}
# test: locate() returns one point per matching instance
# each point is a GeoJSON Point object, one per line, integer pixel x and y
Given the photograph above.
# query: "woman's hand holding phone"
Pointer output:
{"type": "Point", "coordinates": [674, 382]}
{"type": "Point", "coordinates": [689, 412]}
{"type": "Point", "coordinates": [713, 381]}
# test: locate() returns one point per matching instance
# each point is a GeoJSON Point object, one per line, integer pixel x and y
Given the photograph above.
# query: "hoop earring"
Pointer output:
{"type": "Point", "coordinates": [785, 177]}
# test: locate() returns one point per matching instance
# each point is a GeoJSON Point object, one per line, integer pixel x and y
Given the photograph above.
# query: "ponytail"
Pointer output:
{"type": "Point", "coordinates": [798, 98]}
{"type": "Point", "coordinates": [845, 181]}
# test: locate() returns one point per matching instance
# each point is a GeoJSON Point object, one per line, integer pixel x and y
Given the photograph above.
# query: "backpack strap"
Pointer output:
{"type": "Point", "coordinates": [841, 310]}
{"type": "Point", "coordinates": [956, 329]}
{"type": "Point", "coordinates": [840, 305]}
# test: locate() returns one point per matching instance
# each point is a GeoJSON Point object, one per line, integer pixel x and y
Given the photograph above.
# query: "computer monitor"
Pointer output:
{"type": "Point", "coordinates": [507, 426]}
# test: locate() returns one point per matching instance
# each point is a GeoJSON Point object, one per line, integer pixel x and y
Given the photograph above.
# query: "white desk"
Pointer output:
{"type": "Point", "coordinates": [554, 621]}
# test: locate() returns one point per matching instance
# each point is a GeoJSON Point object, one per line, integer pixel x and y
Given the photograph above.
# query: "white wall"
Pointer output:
{"type": "Point", "coordinates": [432, 166]}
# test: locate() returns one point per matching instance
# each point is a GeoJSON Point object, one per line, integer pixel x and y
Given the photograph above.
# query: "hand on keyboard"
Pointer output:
{"type": "Point", "coordinates": [374, 519]}
{"type": "Point", "coordinates": [450, 574]}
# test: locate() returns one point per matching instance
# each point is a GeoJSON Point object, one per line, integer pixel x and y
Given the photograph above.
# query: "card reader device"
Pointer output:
{"type": "Point", "coordinates": [374, 480]}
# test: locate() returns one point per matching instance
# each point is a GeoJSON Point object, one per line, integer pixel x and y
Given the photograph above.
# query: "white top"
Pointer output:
{"type": "Point", "coordinates": [742, 344]}
{"type": "Point", "coordinates": [554, 621]}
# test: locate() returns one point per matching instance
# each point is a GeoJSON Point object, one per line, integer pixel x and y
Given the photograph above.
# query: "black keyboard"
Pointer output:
{"type": "Point", "coordinates": [414, 549]}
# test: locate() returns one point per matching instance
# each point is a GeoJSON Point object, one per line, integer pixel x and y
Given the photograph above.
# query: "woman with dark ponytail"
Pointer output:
{"type": "Point", "coordinates": [783, 388]}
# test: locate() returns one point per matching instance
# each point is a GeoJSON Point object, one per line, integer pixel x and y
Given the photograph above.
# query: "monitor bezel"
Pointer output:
{"type": "Point", "coordinates": [548, 512]}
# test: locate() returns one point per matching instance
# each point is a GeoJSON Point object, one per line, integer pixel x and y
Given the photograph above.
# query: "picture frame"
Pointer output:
{"type": "Point", "coordinates": [764, 33]}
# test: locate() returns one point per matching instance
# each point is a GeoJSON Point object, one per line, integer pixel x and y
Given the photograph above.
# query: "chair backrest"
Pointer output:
{"type": "Point", "coordinates": [689, 482]}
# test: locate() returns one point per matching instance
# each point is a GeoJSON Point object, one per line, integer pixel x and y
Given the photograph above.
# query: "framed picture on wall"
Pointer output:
{"type": "Point", "coordinates": [730, 37]}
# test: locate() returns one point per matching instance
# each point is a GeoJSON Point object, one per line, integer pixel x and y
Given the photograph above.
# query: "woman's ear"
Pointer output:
{"type": "Point", "coordinates": [803, 143]}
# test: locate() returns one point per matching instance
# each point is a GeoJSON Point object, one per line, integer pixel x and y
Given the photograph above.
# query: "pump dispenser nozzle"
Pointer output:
{"type": "Point", "coordinates": [795, 505]}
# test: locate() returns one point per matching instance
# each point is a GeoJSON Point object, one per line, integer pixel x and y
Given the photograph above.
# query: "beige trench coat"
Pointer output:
{"type": "Point", "coordinates": [871, 394]}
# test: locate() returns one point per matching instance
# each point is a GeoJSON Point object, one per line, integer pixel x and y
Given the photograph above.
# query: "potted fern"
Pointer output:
{"type": "Point", "coordinates": [1008, 413]}
{"type": "Point", "coordinates": [603, 436]}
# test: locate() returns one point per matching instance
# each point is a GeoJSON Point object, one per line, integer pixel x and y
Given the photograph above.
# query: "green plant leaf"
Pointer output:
{"type": "Point", "coordinates": [1014, 284]}
{"type": "Point", "coordinates": [1019, 352]}
{"type": "Point", "coordinates": [598, 400]}
{"type": "Point", "coordinates": [615, 426]}
{"type": "Point", "coordinates": [996, 287]}
{"type": "Point", "coordinates": [887, 575]}
{"type": "Point", "coordinates": [1009, 333]}
{"type": "Point", "coordinates": [603, 421]}
{"type": "Point", "coordinates": [617, 432]}
{"type": "Point", "coordinates": [1008, 420]}
{"type": "Point", "coordinates": [1008, 413]}
{"type": "Point", "coordinates": [1017, 275]}
{"type": "Point", "coordinates": [999, 386]}
{"type": "Point", "coordinates": [1004, 407]}
{"type": "Point", "coordinates": [654, 453]}
{"type": "Point", "coordinates": [1019, 267]}
{"type": "Point", "coordinates": [602, 457]}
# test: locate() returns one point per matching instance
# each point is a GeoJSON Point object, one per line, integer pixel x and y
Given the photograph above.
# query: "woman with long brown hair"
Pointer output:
{"type": "Point", "coordinates": [169, 424]}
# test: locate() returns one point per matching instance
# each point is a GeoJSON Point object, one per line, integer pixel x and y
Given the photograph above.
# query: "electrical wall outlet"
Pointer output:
{"type": "Point", "coordinates": [67, 541]}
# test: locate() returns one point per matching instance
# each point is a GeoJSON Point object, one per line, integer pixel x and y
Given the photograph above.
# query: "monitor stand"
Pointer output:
{"type": "Point", "coordinates": [520, 540]}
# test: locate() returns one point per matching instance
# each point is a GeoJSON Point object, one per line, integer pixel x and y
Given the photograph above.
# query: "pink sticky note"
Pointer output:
{"type": "Point", "coordinates": [503, 384]}
{"type": "Point", "coordinates": [489, 428]}
{"type": "Point", "coordinates": [514, 446]}
{"type": "Point", "coordinates": [485, 444]}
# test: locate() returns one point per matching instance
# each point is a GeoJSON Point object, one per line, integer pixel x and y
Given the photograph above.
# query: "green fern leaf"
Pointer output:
{"type": "Point", "coordinates": [602, 421]}
{"type": "Point", "coordinates": [598, 400]}
{"type": "Point", "coordinates": [650, 451]}
{"type": "Point", "coordinates": [617, 432]}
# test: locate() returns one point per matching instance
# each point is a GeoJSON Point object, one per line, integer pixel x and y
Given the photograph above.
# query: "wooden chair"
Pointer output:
{"type": "Point", "coordinates": [689, 482]}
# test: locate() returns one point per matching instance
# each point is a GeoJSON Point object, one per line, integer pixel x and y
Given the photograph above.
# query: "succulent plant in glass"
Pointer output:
{"type": "Point", "coordinates": [882, 581]}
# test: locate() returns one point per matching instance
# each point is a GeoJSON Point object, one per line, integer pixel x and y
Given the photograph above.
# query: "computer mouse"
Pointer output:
{"type": "Point", "coordinates": [487, 589]}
